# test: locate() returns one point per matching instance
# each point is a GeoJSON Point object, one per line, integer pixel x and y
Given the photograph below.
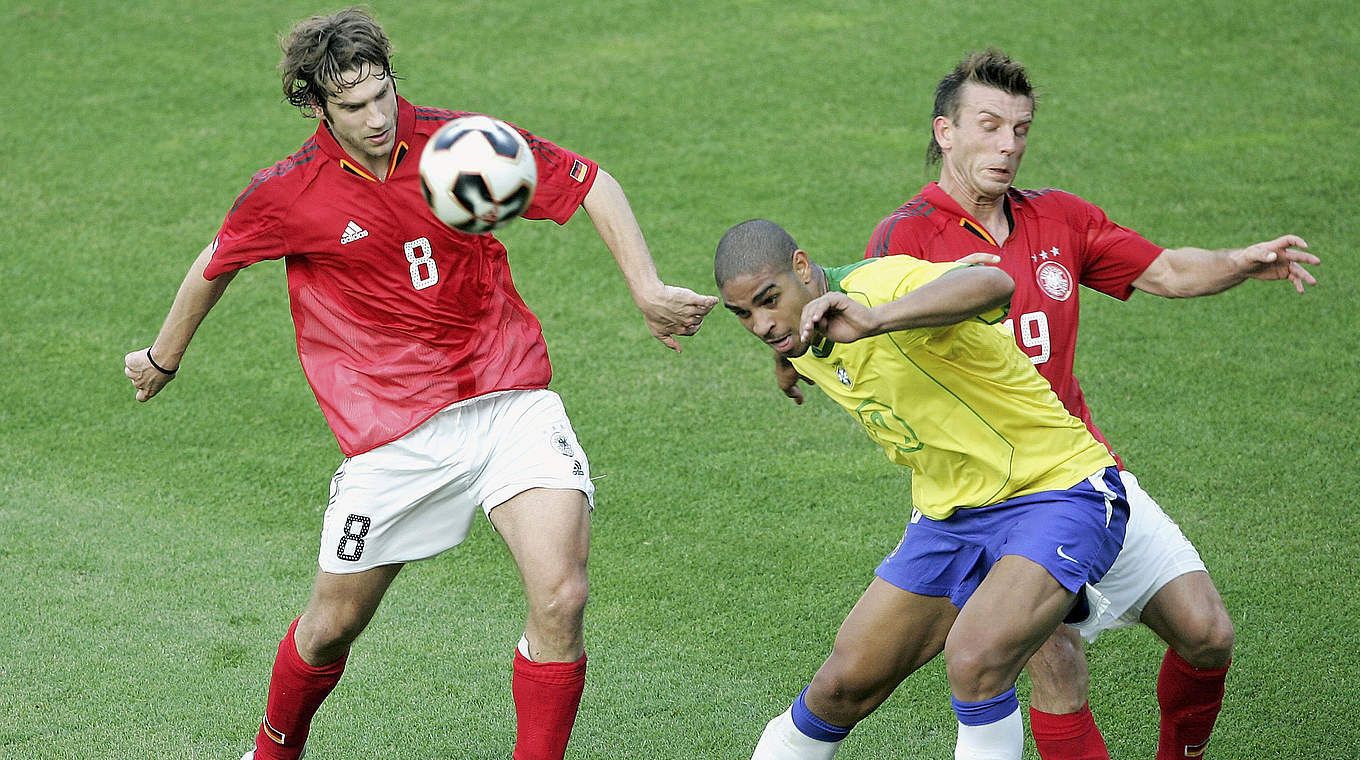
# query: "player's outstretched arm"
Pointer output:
{"type": "Point", "coordinates": [953, 297]}
{"type": "Point", "coordinates": [194, 300]}
{"type": "Point", "coordinates": [669, 310]}
{"type": "Point", "coordinates": [1190, 272]}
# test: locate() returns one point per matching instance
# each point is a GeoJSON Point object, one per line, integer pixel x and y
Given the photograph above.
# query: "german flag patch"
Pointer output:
{"type": "Point", "coordinates": [578, 170]}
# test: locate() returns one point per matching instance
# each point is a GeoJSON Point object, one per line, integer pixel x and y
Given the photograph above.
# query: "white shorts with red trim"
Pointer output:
{"type": "Point", "coordinates": [1155, 553]}
{"type": "Point", "coordinates": [416, 497]}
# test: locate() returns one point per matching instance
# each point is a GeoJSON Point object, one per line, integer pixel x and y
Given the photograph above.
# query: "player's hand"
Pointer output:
{"type": "Point", "coordinates": [146, 379]}
{"type": "Point", "coordinates": [673, 311]}
{"type": "Point", "coordinates": [788, 377]}
{"type": "Point", "coordinates": [837, 317]}
{"type": "Point", "coordinates": [1279, 259]}
{"type": "Point", "coordinates": [980, 258]}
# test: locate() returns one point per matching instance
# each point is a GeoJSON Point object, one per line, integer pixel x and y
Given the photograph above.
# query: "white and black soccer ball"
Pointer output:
{"type": "Point", "coordinates": [477, 174]}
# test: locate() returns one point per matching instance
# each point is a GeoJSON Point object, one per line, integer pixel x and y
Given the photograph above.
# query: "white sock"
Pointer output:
{"type": "Point", "coordinates": [1002, 740]}
{"type": "Point", "coordinates": [783, 741]}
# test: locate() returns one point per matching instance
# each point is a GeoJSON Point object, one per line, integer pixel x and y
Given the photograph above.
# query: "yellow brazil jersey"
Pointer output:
{"type": "Point", "coordinates": [960, 405]}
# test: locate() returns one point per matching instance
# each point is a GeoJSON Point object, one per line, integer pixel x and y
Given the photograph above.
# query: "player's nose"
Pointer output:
{"type": "Point", "coordinates": [1010, 142]}
{"type": "Point", "coordinates": [763, 326]}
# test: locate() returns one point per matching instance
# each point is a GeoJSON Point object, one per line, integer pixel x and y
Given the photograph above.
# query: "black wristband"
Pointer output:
{"type": "Point", "coordinates": [159, 368]}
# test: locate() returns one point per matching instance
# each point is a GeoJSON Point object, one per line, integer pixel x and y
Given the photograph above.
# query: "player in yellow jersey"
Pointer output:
{"type": "Point", "coordinates": [1016, 504]}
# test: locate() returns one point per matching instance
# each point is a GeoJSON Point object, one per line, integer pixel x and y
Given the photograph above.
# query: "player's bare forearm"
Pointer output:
{"type": "Point", "coordinates": [151, 368]}
{"type": "Point", "coordinates": [1190, 272]}
{"type": "Point", "coordinates": [195, 298]}
{"type": "Point", "coordinates": [954, 297]}
{"type": "Point", "coordinates": [668, 310]}
{"type": "Point", "coordinates": [613, 218]}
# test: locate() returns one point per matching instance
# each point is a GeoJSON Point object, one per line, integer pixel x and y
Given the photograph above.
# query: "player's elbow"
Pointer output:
{"type": "Point", "coordinates": [997, 285]}
{"type": "Point", "coordinates": [1169, 284]}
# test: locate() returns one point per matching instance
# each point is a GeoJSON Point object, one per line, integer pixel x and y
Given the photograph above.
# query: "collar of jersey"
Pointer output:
{"type": "Point", "coordinates": [835, 278]}
{"type": "Point", "coordinates": [406, 126]}
{"type": "Point", "coordinates": [822, 348]}
{"type": "Point", "coordinates": [942, 200]}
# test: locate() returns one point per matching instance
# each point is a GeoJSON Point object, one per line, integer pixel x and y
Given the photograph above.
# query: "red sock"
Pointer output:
{"type": "Point", "coordinates": [296, 690]}
{"type": "Point", "coordinates": [1072, 736]}
{"type": "Point", "coordinates": [1190, 698]}
{"type": "Point", "coordinates": [546, 697]}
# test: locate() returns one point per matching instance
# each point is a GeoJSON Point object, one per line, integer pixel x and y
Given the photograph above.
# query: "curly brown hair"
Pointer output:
{"type": "Point", "coordinates": [991, 68]}
{"type": "Point", "coordinates": [319, 51]}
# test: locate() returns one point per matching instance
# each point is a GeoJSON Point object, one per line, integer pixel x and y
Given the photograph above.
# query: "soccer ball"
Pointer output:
{"type": "Point", "coordinates": [477, 174]}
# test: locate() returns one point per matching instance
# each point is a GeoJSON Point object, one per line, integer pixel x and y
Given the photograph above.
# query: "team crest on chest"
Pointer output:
{"type": "Point", "coordinates": [843, 375]}
{"type": "Point", "coordinates": [1053, 277]}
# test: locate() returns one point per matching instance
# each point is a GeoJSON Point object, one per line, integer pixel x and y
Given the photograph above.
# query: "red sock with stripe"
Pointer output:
{"type": "Point", "coordinates": [296, 691]}
{"type": "Point", "coordinates": [1191, 699]}
{"type": "Point", "coordinates": [1070, 736]}
{"type": "Point", "coordinates": [547, 695]}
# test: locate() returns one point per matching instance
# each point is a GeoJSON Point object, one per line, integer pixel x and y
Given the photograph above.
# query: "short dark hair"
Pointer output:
{"type": "Point", "coordinates": [318, 51]}
{"type": "Point", "coordinates": [756, 245]}
{"type": "Point", "coordinates": [991, 68]}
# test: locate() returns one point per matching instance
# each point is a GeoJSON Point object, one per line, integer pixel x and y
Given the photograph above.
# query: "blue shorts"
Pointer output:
{"type": "Point", "coordinates": [1074, 534]}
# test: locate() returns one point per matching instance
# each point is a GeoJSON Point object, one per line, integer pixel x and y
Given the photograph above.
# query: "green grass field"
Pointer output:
{"type": "Point", "coordinates": [155, 553]}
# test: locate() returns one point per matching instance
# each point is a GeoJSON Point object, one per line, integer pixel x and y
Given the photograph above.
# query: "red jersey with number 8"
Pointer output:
{"type": "Point", "coordinates": [1057, 242]}
{"type": "Point", "coordinates": [397, 315]}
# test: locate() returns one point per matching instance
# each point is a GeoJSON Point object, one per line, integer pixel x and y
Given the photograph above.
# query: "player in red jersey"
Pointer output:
{"type": "Point", "coordinates": [1050, 242]}
{"type": "Point", "coordinates": [429, 368]}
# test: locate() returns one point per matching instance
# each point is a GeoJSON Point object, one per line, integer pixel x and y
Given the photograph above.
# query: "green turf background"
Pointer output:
{"type": "Point", "coordinates": [154, 554]}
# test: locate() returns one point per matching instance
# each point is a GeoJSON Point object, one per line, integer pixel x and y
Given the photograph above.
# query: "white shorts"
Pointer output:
{"type": "Point", "coordinates": [1155, 553]}
{"type": "Point", "coordinates": [416, 496]}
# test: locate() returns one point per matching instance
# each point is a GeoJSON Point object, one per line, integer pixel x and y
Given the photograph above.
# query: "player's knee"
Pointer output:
{"type": "Point", "coordinates": [1061, 657]}
{"type": "Point", "coordinates": [1059, 674]}
{"type": "Point", "coordinates": [976, 671]}
{"type": "Point", "coordinates": [845, 690]}
{"type": "Point", "coordinates": [323, 637]}
{"type": "Point", "coordinates": [1209, 643]}
{"type": "Point", "coordinates": [562, 608]}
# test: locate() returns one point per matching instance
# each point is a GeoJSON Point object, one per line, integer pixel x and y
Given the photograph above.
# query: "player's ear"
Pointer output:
{"type": "Point", "coordinates": [942, 128]}
{"type": "Point", "coordinates": [319, 112]}
{"type": "Point", "coordinates": [802, 266]}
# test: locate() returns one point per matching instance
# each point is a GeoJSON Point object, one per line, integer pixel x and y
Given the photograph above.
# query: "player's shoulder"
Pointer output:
{"type": "Point", "coordinates": [916, 211]}
{"type": "Point", "coordinates": [1050, 201]}
{"type": "Point", "coordinates": [429, 119]}
{"type": "Point", "coordinates": [285, 179]}
{"type": "Point", "coordinates": [836, 276]}
{"type": "Point", "coordinates": [293, 168]}
{"type": "Point", "coordinates": [886, 271]}
{"type": "Point", "coordinates": [900, 231]}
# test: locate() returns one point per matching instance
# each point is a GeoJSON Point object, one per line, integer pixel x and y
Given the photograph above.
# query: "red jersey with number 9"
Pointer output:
{"type": "Point", "coordinates": [1057, 242]}
{"type": "Point", "coordinates": [397, 315]}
